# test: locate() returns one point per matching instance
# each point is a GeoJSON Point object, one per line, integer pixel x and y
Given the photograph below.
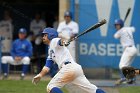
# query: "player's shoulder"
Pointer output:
{"type": "Point", "coordinates": [4, 22]}
{"type": "Point", "coordinates": [74, 23]}
{"type": "Point", "coordinates": [54, 42]}
{"type": "Point", "coordinates": [28, 41]}
{"type": "Point", "coordinates": [33, 21]}
{"type": "Point", "coordinates": [55, 39]}
{"type": "Point", "coordinates": [128, 29]}
{"type": "Point", "coordinates": [42, 21]}
{"type": "Point", "coordinates": [62, 23]}
{"type": "Point", "coordinates": [16, 41]}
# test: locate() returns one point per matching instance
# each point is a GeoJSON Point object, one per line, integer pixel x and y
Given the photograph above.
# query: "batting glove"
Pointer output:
{"type": "Point", "coordinates": [36, 79]}
{"type": "Point", "coordinates": [65, 43]}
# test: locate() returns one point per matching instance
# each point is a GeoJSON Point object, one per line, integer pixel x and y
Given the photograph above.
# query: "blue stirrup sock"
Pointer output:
{"type": "Point", "coordinates": [99, 91]}
{"type": "Point", "coordinates": [5, 68]}
{"type": "Point", "coordinates": [56, 90]}
{"type": "Point", "coordinates": [25, 68]}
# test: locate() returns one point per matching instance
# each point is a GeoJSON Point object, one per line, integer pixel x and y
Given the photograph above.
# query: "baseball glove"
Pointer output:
{"type": "Point", "coordinates": [129, 72]}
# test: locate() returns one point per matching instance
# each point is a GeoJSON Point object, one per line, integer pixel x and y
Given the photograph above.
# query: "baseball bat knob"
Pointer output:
{"type": "Point", "coordinates": [103, 21]}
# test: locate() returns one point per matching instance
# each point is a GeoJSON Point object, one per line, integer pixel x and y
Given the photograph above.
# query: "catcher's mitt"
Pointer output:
{"type": "Point", "coordinates": [129, 72]}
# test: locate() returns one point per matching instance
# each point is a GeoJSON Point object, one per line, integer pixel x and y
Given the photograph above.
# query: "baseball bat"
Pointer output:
{"type": "Point", "coordinates": [97, 25]}
{"type": "Point", "coordinates": [127, 13]}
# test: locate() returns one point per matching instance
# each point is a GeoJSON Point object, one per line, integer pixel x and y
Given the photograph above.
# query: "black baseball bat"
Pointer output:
{"type": "Point", "coordinates": [127, 13]}
{"type": "Point", "coordinates": [97, 25]}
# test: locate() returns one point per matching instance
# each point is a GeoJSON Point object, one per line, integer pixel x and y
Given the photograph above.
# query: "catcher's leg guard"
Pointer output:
{"type": "Point", "coordinates": [56, 90]}
{"type": "Point", "coordinates": [99, 91]}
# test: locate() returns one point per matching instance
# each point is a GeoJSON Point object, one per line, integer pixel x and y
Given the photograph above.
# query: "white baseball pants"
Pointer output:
{"type": "Point", "coordinates": [71, 73]}
{"type": "Point", "coordinates": [128, 56]}
{"type": "Point", "coordinates": [10, 60]}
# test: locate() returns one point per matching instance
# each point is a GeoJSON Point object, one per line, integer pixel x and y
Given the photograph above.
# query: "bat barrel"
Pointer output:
{"type": "Point", "coordinates": [89, 29]}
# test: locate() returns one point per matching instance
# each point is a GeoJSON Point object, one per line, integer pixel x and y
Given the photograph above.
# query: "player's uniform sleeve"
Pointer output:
{"type": "Point", "coordinates": [49, 63]}
{"type": "Point", "coordinates": [29, 49]}
{"type": "Point", "coordinates": [56, 42]}
{"type": "Point", "coordinates": [31, 26]}
{"type": "Point", "coordinates": [59, 29]}
{"type": "Point", "coordinates": [132, 29]}
{"type": "Point", "coordinates": [11, 28]}
{"type": "Point", "coordinates": [44, 25]}
{"type": "Point", "coordinates": [117, 34]}
{"type": "Point", "coordinates": [75, 28]}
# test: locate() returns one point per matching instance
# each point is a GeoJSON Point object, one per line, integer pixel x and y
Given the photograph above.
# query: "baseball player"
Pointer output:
{"type": "Point", "coordinates": [37, 24]}
{"type": "Point", "coordinates": [20, 54]}
{"type": "Point", "coordinates": [69, 71]}
{"type": "Point", "coordinates": [125, 34]}
{"type": "Point", "coordinates": [68, 29]}
{"type": "Point", "coordinates": [6, 31]}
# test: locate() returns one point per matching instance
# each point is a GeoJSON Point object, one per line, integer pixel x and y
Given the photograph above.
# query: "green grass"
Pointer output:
{"type": "Point", "coordinates": [132, 89]}
{"type": "Point", "coordinates": [25, 86]}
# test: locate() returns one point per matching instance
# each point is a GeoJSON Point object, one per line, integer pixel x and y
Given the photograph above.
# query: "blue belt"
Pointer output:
{"type": "Point", "coordinates": [67, 63]}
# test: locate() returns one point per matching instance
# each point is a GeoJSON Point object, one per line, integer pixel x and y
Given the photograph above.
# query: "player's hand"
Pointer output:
{"type": "Point", "coordinates": [17, 59]}
{"type": "Point", "coordinates": [36, 79]}
{"type": "Point", "coordinates": [65, 42]}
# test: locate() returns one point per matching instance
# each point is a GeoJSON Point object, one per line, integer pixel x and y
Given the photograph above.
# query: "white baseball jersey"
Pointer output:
{"type": "Point", "coordinates": [126, 36]}
{"type": "Point", "coordinates": [71, 73]}
{"type": "Point", "coordinates": [6, 31]}
{"type": "Point", "coordinates": [36, 27]}
{"type": "Point", "coordinates": [59, 54]}
{"type": "Point", "coordinates": [70, 28]}
{"type": "Point", "coordinates": [67, 31]}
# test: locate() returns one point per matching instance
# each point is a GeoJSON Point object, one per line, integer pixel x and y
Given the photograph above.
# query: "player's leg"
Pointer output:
{"type": "Point", "coordinates": [122, 63]}
{"type": "Point", "coordinates": [132, 54]}
{"type": "Point", "coordinates": [25, 66]}
{"type": "Point", "coordinates": [64, 76]}
{"type": "Point", "coordinates": [82, 82]}
{"type": "Point", "coordinates": [5, 60]}
{"type": "Point", "coordinates": [126, 60]}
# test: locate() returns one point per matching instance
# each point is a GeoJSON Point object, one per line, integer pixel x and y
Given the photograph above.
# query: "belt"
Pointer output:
{"type": "Point", "coordinates": [130, 46]}
{"type": "Point", "coordinates": [67, 63]}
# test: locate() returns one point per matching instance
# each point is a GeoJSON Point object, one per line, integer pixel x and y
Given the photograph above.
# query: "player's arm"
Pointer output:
{"type": "Point", "coordinates": [59, 30]}
{"type": "Point", "coordinates": [75, 30]}
{"type": "Point", "coordinates": [117, 35]}
{"type": "Point", "coordinates": [44, 71]}
{"type": "Point", "coordinates": [132, 29]}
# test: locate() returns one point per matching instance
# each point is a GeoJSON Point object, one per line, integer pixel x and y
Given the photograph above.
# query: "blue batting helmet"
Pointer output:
{"type": "Point", "coordinates": [52, 33]}
{"type": "Point", "coordinates": [68, 13]}
{"type": "Point", "coordinates": [22, 30]}
{"type": "Point", "coordinates": [119, 22]}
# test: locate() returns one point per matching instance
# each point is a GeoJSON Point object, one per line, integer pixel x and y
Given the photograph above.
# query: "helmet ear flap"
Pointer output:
{"type": "Point", "coordinates": [49, 36]}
